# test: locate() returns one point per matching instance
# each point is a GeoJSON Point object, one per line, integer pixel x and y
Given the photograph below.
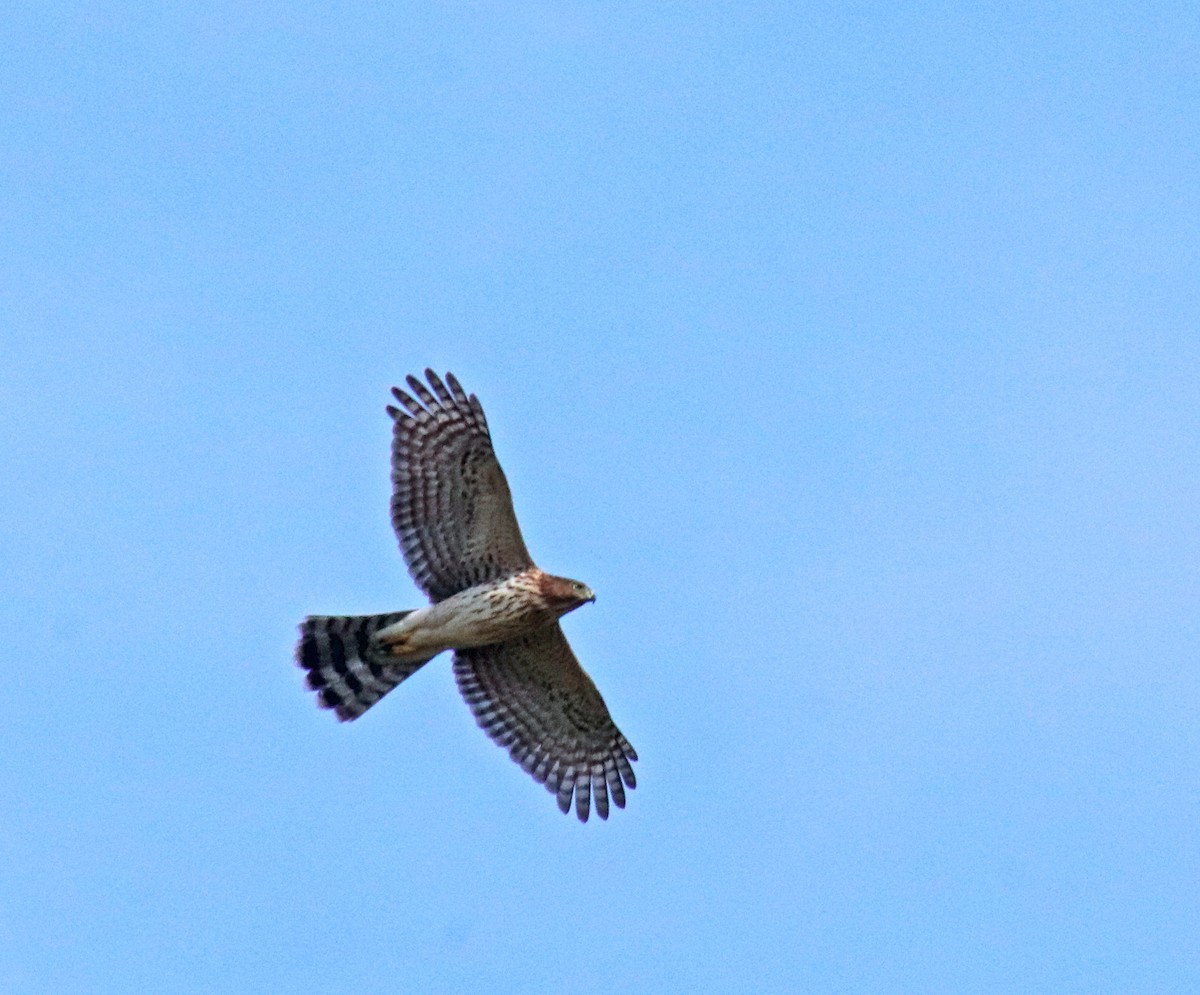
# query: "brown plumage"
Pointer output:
{"type": "Point", "coordinates": [489, 603]}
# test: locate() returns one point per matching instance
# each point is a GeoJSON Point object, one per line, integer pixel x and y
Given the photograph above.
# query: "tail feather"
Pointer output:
{"type": "Point", "coordinates": [347, 668]}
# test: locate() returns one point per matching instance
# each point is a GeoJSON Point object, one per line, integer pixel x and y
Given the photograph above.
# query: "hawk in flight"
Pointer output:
{"type": "Point", "coordinates": [489, 604]}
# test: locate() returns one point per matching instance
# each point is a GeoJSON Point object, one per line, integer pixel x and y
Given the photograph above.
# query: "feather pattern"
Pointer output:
{"type": "Point", "coordinates": [346, 665]}
{"type": "Point", "coordinates": [451, 507]}
{"type": "Point", "coordinates": [531, 696]}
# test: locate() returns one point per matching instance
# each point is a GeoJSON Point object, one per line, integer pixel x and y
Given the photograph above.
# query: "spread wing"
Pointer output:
{"type": "Point", "coordinates": [451, 507]}
{"type": "Point", "coordinates": [532, 697]}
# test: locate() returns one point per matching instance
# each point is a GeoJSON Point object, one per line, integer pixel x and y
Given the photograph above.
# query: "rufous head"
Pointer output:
{"type": "Point", "coordinates": [563, 594]}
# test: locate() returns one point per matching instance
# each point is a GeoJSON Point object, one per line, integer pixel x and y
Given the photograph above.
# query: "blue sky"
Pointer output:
{"type": "Point", "coordinates": [851, 354]}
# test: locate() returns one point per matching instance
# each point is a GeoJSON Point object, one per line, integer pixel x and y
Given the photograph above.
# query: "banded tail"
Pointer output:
{"type": "Point", "coordinates": [346, 666]}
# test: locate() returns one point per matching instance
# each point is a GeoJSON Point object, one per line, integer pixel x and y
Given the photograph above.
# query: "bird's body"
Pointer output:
{"type": "Point", "coordinates": [493, 612]}
{"type": "Point", "coordinates": [490, 604]}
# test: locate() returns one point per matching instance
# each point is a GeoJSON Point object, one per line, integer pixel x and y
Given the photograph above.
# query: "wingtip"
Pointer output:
{"type": "Point", "coordinates": [409, 406]}
{"type": "Point", "coordinates": [439, 384]}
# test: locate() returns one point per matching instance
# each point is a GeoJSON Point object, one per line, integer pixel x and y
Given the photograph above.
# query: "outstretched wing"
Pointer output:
{"type": "Point", "coordinates": [451, 507]}
{"type": "Point", "coordinates": [532, 697]}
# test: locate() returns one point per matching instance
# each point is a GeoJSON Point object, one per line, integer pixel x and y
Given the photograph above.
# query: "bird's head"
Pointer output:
{"type": "Point", "coordinates": [565, 595]}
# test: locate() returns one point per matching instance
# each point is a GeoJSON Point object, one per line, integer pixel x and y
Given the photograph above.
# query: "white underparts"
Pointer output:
{"type": "Point", "coordinates": [479, 616]}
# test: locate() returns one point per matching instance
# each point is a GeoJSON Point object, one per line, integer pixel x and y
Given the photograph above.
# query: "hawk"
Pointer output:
{"type": "Point", "coordinates": [489, 604]}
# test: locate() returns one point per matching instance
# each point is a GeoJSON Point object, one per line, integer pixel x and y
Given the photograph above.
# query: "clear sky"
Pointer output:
{"type": "Point", "coordinates": [850, 353]}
